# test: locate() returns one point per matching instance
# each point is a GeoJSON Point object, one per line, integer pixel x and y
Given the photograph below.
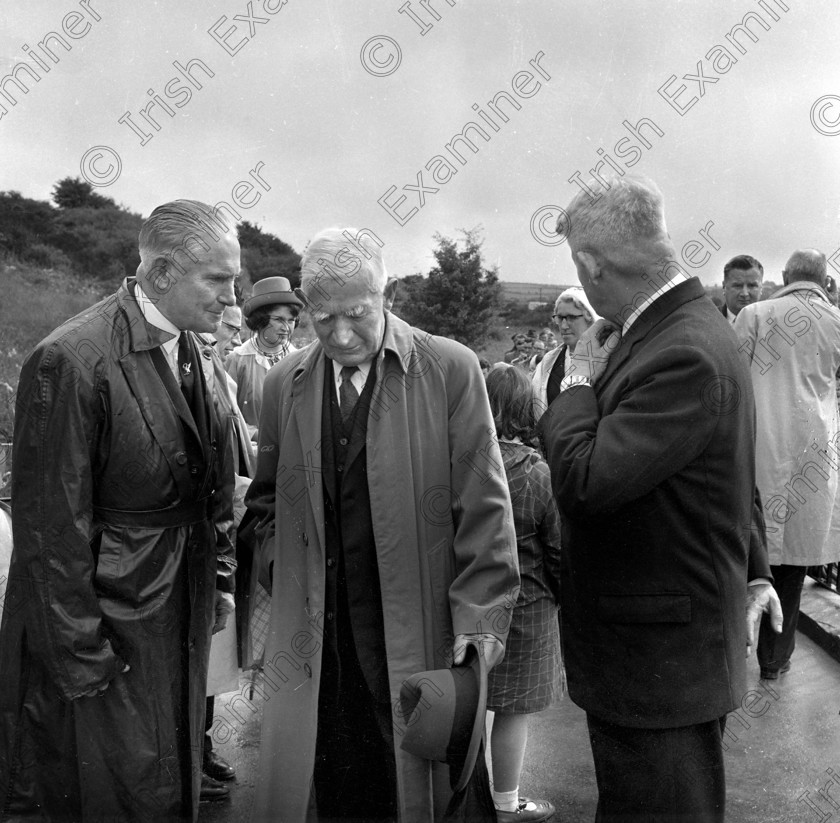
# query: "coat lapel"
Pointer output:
{"type": "Point", "coordinates": [307, 406]}
{"type": "Point", "coordinates": [158, 411]}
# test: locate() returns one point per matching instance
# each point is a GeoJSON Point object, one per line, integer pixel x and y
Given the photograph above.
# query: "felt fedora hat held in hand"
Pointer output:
{"type": "Point", "coordinates": [269, 292]}
{"type": "Point", "coordinates": [444, 711]}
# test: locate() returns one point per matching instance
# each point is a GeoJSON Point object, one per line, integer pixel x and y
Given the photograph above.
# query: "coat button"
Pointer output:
{"type": "Point", "coordinates": [305, 539]}
{"type": "Point", "coordinates": [330, 615]}
{"type": "Point", "coordinates": [193, 470]}
{"type": "Point", "coordinates": [339, 468]}
{"type": "Point", "coordinates": [344, 441]}
{"type": "Point", "coordinates": [308, 669]}
{"type": "Point", "coordinates": [181, 458]}
{"type": "Point", "coordinates": [330, 563]}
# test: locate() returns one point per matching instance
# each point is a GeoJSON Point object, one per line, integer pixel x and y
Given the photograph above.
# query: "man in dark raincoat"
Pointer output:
{"type": "Point", "coordinates": [123, 559]}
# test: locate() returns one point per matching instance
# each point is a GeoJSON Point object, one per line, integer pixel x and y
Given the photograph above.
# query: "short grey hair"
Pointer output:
{"type": "Point", "coordinates": [577, 296]}
{"type": "Point", "coordinates": [179, 227]}
{"type": "Point", "coordinates": [339, 254]}
{"type": "Point", "coordinates": [807, 264]}
{"type": "Point", "coordinates": [631, 209]}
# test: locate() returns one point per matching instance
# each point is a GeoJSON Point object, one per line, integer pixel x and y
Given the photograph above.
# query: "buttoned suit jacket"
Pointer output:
{"type": "Point", "coordinates": [654, 472]}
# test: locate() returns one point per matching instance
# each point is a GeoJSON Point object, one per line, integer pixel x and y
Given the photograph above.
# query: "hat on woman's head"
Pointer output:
{"type": "Point", "coordinates": [444, 712]}
{"type": "Point", "coordinates": [269, 292]}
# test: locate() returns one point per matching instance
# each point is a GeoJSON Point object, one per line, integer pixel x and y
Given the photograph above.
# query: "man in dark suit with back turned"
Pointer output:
{"type": "Point", "coordinates": [651, 449]}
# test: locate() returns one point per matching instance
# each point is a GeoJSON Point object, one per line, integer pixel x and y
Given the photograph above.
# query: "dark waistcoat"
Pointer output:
{"type": "Point", "coordinates": [353, 623]}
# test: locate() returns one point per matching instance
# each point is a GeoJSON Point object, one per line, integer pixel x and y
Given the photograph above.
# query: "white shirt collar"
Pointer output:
{"type": "Point", "coordinates": [359, 378]}
{"type": "Point", "coordinates": [678, 278]}
{"type": "Point", "coordinates": [154, 316]}
{"type": "Point", "coordinates": [731, 317]}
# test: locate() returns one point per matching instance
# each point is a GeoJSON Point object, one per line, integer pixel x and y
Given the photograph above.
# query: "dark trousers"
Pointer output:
{"type": "Point", "coordinates": [658, 775]}
{"type": "Point", "coordinates": [774, 650]}
{"type": "Point", "coordinates": [355, 769]}
{"type": "Point", "coordinates": [208, 724]}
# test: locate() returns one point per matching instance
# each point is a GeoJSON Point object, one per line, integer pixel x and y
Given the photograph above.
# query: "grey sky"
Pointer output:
{"type": "Point", "coordinates": [334, 137]}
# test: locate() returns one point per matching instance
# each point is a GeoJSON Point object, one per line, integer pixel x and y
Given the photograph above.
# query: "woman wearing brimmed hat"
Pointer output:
{"type": "Point", "coordinates": [272, 314]}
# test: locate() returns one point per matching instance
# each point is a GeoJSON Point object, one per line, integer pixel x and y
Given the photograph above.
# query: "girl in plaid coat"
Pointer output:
{"type": "Point", "coordinates": [529, 677]}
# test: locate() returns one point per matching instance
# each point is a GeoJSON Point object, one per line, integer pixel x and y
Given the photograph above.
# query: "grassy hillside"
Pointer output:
{"type": "Point", "coordinates": [33, 301]}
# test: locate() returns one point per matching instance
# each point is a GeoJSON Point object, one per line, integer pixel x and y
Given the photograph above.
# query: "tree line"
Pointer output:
{"type": "Point", "coordinates": [84, 233]}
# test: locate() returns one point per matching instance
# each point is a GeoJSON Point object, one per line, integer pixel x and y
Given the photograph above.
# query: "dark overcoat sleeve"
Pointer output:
{"type": "Point", "coordinates": [659, 425]}
{"type": "Point", "coordinates": [59, 411]}
{"type": "Point", "coordinates": [261, 496]}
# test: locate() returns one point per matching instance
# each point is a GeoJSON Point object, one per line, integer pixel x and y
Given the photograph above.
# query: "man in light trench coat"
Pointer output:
{"type": "Point", "coordinates": [123, 558]}
{"type": "Point", "coordinates": [386, 524]}
{"type": "Point", "coordinates": [792, 344]}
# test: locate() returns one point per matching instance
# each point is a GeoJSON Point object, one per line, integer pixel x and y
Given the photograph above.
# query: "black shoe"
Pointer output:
{"type": "Point", "coordinates": [212, 790]}
{"type": "Point", "coordinates": [773, 674]}
{"type": "Point", "coordinates": [217, 767]}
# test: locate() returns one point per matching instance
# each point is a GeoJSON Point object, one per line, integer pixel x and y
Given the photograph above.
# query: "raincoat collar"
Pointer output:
{"type": "Point", "coordinates": [142, 335]}
{"type": "Point", "coordinates": [799, 285]}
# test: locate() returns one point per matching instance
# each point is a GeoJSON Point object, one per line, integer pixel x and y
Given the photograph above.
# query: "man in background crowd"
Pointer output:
{"type": "Point", "coordinates": [742, 277]}
{"type": "Point", "coordinates": [227, 336]}
{"type": "Point", "coordinates": [792, 344]}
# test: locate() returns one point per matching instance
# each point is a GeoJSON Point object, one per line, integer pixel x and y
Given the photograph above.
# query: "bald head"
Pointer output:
{"type": "Point", "coordinates": [805, 264]}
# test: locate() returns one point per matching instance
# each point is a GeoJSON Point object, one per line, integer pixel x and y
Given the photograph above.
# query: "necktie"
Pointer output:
{"type": "Point", "coordinates": [348, 395]}
{"type": "Point", "coordinates": [186, 370]}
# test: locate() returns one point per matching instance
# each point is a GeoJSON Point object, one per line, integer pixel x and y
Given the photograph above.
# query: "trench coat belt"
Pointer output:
{"type": "Point", "coordinates": [184, 514]}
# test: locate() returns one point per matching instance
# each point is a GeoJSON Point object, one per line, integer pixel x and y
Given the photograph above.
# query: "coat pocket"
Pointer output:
{"type": "Point", "coordinates": [644, 608]}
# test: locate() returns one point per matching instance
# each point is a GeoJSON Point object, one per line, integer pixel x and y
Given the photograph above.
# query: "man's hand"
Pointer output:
{"type": "Point", "coordinates": [224, 606]}
{"type": "Point", "coordinates": [762, 597]}
{"type": "Point", "coordinates": [489, 647]}
{"type": "Point", "coordinates": [593, 350]}
{"type": "Point", "coordinates": [100, 690]}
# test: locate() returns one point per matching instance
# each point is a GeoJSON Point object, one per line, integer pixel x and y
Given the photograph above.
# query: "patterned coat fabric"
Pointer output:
{"type": "Point", "coordinates": [792, 345]}
{"type": "Point", "coordinates": [123, 530]}
{"type": "Point", "coordinates": [529, 677]}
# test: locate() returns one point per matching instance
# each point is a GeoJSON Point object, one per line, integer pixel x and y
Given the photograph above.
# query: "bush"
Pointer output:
{"type": "Point", "coordinates": [47, 257]}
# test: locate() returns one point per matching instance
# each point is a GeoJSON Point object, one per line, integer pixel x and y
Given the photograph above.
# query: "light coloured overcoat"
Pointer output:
{"type": "Point", "coordinates": [444, 533]}
{"type": "Point", "coordinates": [792, 341]}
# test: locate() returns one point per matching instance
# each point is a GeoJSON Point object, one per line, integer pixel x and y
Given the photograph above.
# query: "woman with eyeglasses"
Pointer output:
{"type": "Point", "coordinates": [573, 314]}
{"type": "Point", "coordinates": [272, 314]}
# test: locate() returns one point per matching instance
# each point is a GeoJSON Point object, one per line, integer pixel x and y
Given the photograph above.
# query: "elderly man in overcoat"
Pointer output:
{"type": "Point", "coordinates": [792, 345]}
{"type": "Point", "coordinates": [651, 445]}
{"type": "Point", "coordinates": [123, 557]}
{"type": "Point", "coordinates": [386, 521]}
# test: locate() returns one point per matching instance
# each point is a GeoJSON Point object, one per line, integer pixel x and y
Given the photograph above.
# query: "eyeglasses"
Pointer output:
{"type": "Point", "coordinates": [284, 320]}
{"type": "Point", "coordinates": [569, 318]}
